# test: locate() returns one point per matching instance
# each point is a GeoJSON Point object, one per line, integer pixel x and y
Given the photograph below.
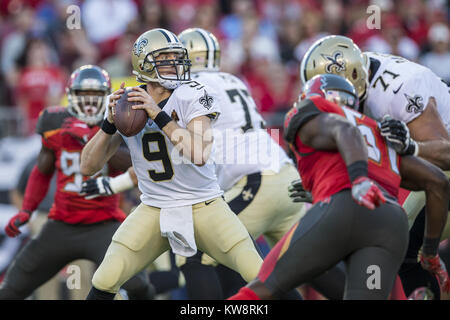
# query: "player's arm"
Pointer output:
{"type": "Point", "coordinates": [107, 186]}
{"type": "Point", "coordinates": [37, 187]}
{"type": "Point", "coordinates": [329, 132]}
{"type": "Point", "coordinates": [418, 174]}
{"type": "Point", "coordinates": [195, 141]}
{"type": "Point", "coordinates": [104, 144]}
{"type": "Point", "coordinates": [432, 137]}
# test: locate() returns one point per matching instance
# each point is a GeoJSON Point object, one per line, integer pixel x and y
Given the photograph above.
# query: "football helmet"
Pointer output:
{"type": "Point", "coordinates": [332, 87]}
{"type": "Point", "coordinates": [338, 55]}
{"type": "Point", "coordinates": [203, 49]}
{"type": "Point", "coordinates": [149, 68]}
{"type": "Point", "coordinates": [87, 93]}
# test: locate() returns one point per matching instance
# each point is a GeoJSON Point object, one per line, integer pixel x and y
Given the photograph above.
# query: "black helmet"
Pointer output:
{"type": "Point", "coordinates": [332, 87]}
{"type": "Point", "coordinates": [88, 88]}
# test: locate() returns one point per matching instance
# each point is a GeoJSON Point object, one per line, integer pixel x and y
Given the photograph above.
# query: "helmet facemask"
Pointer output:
{"type": "Point", "coordinates": [87, 105]}
{"type": "Point", "coordinates": [170, 73]}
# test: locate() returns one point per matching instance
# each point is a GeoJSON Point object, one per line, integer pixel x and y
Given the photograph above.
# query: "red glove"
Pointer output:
{"type": "Point", "coordinates": [366, 193]}
{"type": "Point", "coordinates": [436, 267]}
{"type": "Point", "coordinates": [12, 229]}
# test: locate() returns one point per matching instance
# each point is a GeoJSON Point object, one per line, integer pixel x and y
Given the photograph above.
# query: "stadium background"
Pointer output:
{"type": "Point", "coordinates": [262, 41]}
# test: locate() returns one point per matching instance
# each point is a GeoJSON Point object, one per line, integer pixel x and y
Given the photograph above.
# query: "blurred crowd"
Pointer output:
{"type": "Point", "coordinates": [262, 41]}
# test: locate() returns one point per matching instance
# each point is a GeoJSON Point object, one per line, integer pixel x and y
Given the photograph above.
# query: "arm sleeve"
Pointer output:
{"type": "Point", "coordinates": [37, 187]}
{"type": "Point", "coordinates": [412, 98]}
{"type": "Point", "coordinates": [205, 103]}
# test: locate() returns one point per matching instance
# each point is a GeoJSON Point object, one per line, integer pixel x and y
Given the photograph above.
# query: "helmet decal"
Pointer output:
{"type": "Point", "coordinates": [336, 62]}
{"type": "Point", "coordinates": [139, 46]}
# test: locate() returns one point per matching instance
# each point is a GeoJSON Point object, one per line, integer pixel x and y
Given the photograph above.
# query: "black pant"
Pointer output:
{"type": "Point", "coordinates": [372, 243]}
{"type": "Point", "coordinates": [56, 245]}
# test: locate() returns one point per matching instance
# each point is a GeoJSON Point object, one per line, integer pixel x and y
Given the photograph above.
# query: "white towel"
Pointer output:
{"type": "Point", "coordinates": [177, 226]}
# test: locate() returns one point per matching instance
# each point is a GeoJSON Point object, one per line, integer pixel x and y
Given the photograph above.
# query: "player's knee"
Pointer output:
{"type": "Point", "coordinates": [108, 275]}
{"type": "Point", "coordinates": [246, 259]}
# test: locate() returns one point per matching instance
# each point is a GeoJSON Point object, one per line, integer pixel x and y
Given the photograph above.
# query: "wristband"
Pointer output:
{"type": "Point", "coordinates": [162, 119]}
{"type": "Point", "coordinates": [357, 169]}
{"type": "Point", "coordinates": [430, 246]}
{"type": "Point", "coordinates": [108, 127]}
{"type": "Point", "coordinates": [412, 149]}
{"type": "Point", "coordinates": [121, 183]}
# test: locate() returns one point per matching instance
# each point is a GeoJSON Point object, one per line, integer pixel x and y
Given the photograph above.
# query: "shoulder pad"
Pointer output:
{"type": "Point", "coordinates": [51, 118]}
{"type": "Point", "coordinates": [298, 116]}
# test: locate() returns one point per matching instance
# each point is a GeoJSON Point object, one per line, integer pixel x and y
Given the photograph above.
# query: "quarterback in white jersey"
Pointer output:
{"type": "Point", "coordinates": [182, 207]}
{"type": "Point", "coordinates": [411, 103]}
{"type": "Point", "coordinates": [252, 168]}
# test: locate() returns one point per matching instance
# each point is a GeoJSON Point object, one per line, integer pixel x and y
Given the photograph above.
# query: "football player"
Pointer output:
{"type": "Point", "coordinates": [181, 204]}
{"type": "Point", "coordinates": [354, 178]}
{"type": "Point", "coordinates": [395, 89]}
{"type": "Point", "coordinates": [76, 228]}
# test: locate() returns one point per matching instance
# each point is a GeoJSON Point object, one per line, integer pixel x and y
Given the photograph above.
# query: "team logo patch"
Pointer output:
{"type": "Point", "coordinates": [335, 61]}
{"type": "Point", "coordinates": [206, 100]}
{"type": "Point", "coordinates": [139, 46]}
{"type": "Point", "coordinates": [174, 116]}
{"type": "Point", "coordinates": [415, 104]}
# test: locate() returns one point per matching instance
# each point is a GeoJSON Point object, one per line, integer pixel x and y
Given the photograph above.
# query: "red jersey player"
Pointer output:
{"type": "Point", "coordinates": [354, 179]}
{"type": "Point", "coordinates": [77, 228]}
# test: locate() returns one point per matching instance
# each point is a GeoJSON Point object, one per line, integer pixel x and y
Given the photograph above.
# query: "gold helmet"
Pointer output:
{"type": "Point", "coordinates": [338, 55]}
{"type": "Point", "coordinates": [203, 49]}
{"type": "Point", "coordinates": [146, 66]}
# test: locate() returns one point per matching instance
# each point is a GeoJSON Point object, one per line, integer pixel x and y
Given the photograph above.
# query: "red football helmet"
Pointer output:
{"type": "Point", "coordinates": [87, 93]}
{"type": "Point", "coordinates": [332, 87]}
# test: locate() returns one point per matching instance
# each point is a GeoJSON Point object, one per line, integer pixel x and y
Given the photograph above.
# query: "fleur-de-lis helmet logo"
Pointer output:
{"type": "Point", "coordinates": [335, 61]}
{"type": "Point", "coordinates": [139, 46]}
{"type": "Point", "coordinates": [206, 100]}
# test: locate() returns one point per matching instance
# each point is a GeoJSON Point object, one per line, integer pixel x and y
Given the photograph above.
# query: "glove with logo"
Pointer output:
{"type": "Point", "coordinates": [366, 193]}
{"type": "Point", "coordinates": [396, 132]}
{"type": "Point", "coordinates": [93, 188]}
{"type": "Point", "coordinates": [297, 193]}
{"type": "Point", "coordinates": [12, 229]}
{"type": "Point", "coordinates": [436, 266]}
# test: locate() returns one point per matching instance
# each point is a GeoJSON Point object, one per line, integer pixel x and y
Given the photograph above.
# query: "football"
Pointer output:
{"type": "Point", "coordinates": [128, 121]}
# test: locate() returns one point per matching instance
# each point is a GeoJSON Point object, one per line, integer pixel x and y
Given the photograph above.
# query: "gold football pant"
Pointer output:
{"type": "Point", "coordinates": [138, 242]}
{"type": "Point", "coordinates": [271, 211]}
{"type": "Point", "coordinates": [415, 202]}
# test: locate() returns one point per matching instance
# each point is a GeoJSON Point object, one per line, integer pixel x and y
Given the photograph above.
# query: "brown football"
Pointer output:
{"type": "Point", "coordinates": [127, 120]}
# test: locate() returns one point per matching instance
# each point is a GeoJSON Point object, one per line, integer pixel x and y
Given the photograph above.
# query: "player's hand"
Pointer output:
{"type": "Point", "coordinates": [396, 132]}
{"type": "Point", "coordinates": [93, 188]}
{"type": "Point", "coordinates": [297, 193]}
{"type": "Point", "coordinates": [113, 100]}
{"type": "Point", "coordinates": [12, 229]}
{"type": "Point", "coordinates": [436, 266]}
{"type": "Point", "coordinates": [366, 193]}
{"type": "Point", "coordinates": [148, 104]}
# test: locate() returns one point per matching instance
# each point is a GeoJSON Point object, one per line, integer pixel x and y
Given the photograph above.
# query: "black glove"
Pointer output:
{"type": "Point", "coordinates": [93, 188]}
{"type": "Point", "coordinates": [298, 193]}
{"type": "Point", "coordinates": [396, 133]}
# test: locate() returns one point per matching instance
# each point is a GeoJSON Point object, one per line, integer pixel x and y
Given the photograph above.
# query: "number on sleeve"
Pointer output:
{"type": "Point", "coordinates": [373, 151]}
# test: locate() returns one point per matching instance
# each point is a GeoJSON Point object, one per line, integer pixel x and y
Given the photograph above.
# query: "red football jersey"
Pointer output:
{"type": "Point", "coordinates": [325, 173]}
{"type": "Point", "coordinates": [57, 127]}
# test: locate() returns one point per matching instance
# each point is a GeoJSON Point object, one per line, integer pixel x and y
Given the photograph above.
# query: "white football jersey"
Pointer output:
{"type": "Point", "coordinates": [402, 88]}
{"type": "Point", "coordinates": [242, 145]}
{"type": "Point", "coordinates": [166, 178]}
